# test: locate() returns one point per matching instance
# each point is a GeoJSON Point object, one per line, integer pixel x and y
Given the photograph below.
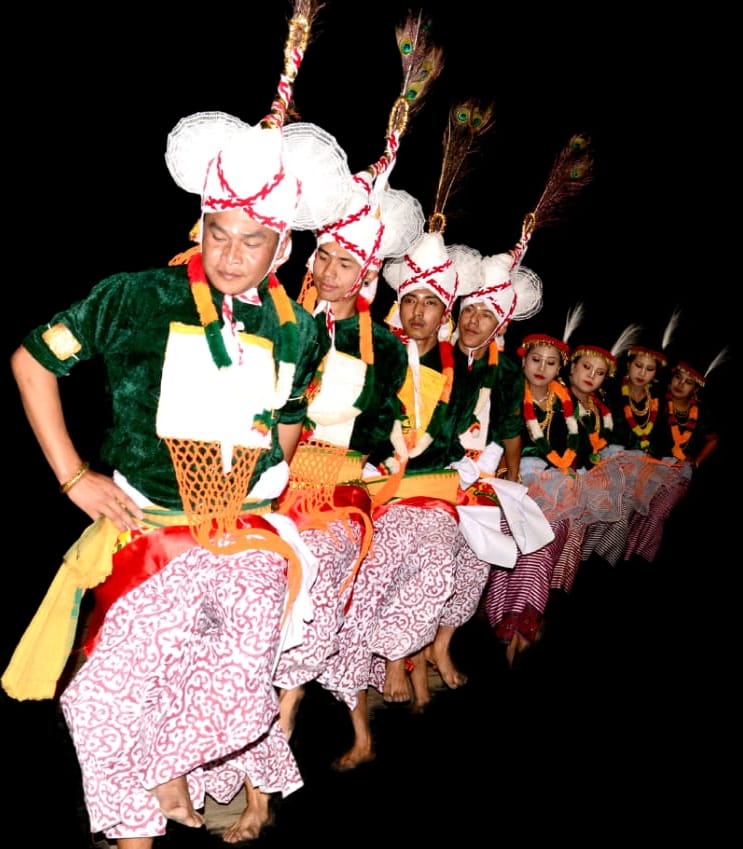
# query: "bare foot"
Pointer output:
{"type": "Point", "coordinates": [439, 657]}
{"type": "Point", "coordinates": [252, 820]}
{"type": "Point", "coordinates": [515, 648]}
{"type": "Point", "coordinates": [362, 750]}
{"type": "Point", "coordinates": [354, 757]}
{"type": "Point", "coordinates": [419, 683]}
{"type": "Point", "coordinates": [176, 804]}
{"type": "Point", "coordinates": [396, 683]}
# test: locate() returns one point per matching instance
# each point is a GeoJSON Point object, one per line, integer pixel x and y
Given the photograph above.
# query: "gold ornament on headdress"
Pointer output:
{"type": "Point", "coordinates": [300, 24]}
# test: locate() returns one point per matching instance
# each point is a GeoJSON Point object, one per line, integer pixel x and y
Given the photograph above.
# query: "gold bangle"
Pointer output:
{"type": "Point", "coordinates": [66, 487]}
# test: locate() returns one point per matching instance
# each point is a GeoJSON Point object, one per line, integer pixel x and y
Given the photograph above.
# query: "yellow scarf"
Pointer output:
{"type": "Point", "coordinates": [42, 653]}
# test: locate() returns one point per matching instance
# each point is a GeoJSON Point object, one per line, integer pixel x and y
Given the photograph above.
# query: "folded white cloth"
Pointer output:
{"type": "Point", "coordinates": [292, 632]}
{"type": "Point", "coordinates": [525, 519]}
{"type": "Point", "coordinates": [480, 526]}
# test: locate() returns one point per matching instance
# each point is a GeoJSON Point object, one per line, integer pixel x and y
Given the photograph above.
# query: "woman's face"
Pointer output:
{"type": "Point", "coordinates": [682, 387]}
{"type": "Point", "coordinates": [541, 365]}
{"type": "Point", "coordinates": [642, 370]}
{"type": "Point", "coordinates": [587, 373]}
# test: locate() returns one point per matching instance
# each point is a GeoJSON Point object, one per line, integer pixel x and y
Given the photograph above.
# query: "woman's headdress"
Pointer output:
{"type": "Point", "coordinates": [659, 354]}
{"type": "Point", "coordinates": [535, 340]}
{"type": "Point", "coordinates": [700, 378]}
{"type": "Point", "coordinates": [626, 338]}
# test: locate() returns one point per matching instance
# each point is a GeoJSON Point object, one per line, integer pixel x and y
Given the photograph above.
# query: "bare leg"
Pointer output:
{"type": "Point", "coordinates": [135, 842]}
{"type": "Point", "coordinates": [176, 804]}
{"type": "Point", "coordinates": [419, 682]}
{"type": "Point", "coordinates": [396, 683]}
{"type": "Point", "coordinates": [362, 750]}
{"type": "Point", "coordinates": [439, 657]}
{"type": "Point", "coordinates": [288, 706]}
{"type": "Point", "coordinates": [514, 649]}
{"type": "Point", "coordinates": [252, 820]}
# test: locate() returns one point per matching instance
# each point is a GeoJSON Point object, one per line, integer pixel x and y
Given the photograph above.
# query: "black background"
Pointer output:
{"type": "Point", "coordinates": [90, 98]}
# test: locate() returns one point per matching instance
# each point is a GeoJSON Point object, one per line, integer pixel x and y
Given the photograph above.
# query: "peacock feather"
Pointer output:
{"type": "Point", "coordinates": [468, 122]}
{"type": "Point", "coordinates": [422, 62]}
{"type": "Point", "coordinates": [571, 171]}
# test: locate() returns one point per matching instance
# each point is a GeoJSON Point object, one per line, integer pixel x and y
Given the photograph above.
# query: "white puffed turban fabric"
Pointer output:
{"type": "Point", "coordinates": [511, 290]}
{"type": "Point", "coordinates": [426, 265]}
{"type": "Point", "coordinates": [377, 223]}
{"type": "Point", "coordinates": [290, 178]}
{"type": "Point", "coordinates": [431, 264]}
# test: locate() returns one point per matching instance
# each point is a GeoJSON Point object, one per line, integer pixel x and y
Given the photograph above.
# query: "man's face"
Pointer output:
{"type": "Point", "coordinates": [237, 252]}
{"type": "Point", "coordinates": [335, 272]}
{"type": "Point", "coordinates": [421, 313]}
{"type": "Point", "coordinates": [477, 323]}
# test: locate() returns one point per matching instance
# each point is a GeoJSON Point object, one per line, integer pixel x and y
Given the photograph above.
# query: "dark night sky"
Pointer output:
{"type": "Point", "coordinates": [648, 234]}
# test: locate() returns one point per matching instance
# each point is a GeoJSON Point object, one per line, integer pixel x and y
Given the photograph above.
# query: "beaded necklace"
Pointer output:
{"type": "Point", "coordinates": [631, 410]}
{"type": "Point", "coordinates": [561, 461]}
{"type": "Point", "coordinates": [681, 439]}
{"type": "Point", "coordinates": [213, 329]}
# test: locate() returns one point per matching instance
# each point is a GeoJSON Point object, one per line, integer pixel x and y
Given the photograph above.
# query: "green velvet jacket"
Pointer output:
{"type": "Point", "coordinates": [506, 382]}
{"type": "Point", "coordinates": [125, 320]}
{"type": "Point", "coordinates": [372, 427]}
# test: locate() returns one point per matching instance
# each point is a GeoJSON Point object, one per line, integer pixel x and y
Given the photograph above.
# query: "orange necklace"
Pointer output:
{"type": "Point", "coordinates": [681, 438]}
{"type": "Point", "coordinates": [652, 405]}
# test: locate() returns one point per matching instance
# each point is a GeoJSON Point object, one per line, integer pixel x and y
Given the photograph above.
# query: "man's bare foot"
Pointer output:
{"type": "Point", "coordinates": [419, 683]}
{"type": "Point", "coordinates": [362, 750]}
{"type": "Point", "coordinates": [252, 820]}
{"type": "Point", "coordinates": [354, 757]}
{"type": "Point", "coordinates": [439, 657]}
{"type": "Point", "coordinates": [396, 683]}
{"type": "Point", "coordinates": [176, 804]}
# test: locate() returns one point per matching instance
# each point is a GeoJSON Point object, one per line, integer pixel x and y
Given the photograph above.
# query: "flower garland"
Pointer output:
{"type": "Point", "coordinates": [680, 439]}
{"type": "Point", "coordinates": [209, 318]}
{"type": "Point", "coordinates": [308, 299]}
{"type": "Point", "coordinates": [486, 389]}
{"type": "Point", "coordinates": [597, 407]}
{"type": "Point", "coordinates": [643, 431]}
{"type": "Point", "coordinates": [418, 444]}
{"type": "Point", "coordinates": [562, 461]}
